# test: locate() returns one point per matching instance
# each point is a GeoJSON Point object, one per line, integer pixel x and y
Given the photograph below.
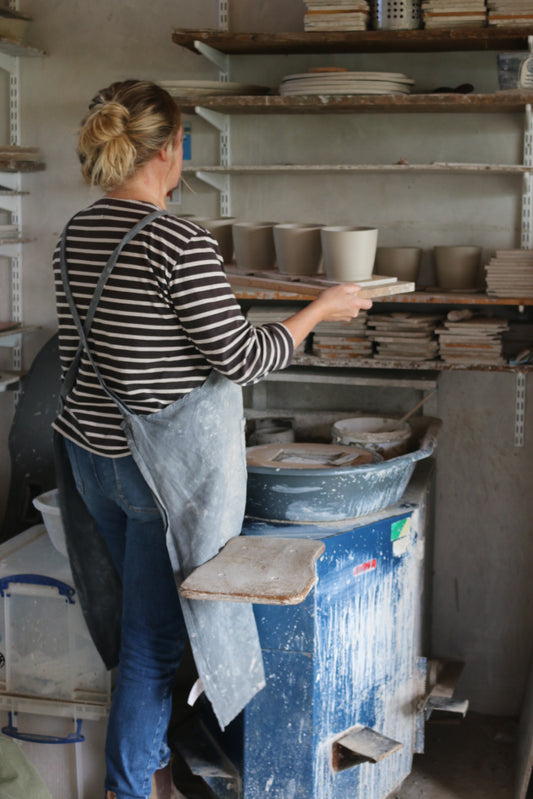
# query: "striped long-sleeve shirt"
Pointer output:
{"type": "Point", "coordinates": [166, 318]}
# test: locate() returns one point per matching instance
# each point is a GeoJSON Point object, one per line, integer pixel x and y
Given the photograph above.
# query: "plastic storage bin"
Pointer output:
{"type": "Point", "coordinates": [66, 751]}
{"type": "Point", "coordinates": [45, 643]}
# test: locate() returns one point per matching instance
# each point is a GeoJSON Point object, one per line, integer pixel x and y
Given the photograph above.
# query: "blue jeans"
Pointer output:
{"type": "Point", "coordinates": [153, 632]}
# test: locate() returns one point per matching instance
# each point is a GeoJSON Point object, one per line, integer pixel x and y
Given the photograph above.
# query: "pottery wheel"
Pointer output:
{"type": "Point", "coordinates": [308, 456]}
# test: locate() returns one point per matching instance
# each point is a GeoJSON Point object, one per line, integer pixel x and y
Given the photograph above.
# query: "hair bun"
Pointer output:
{"type": "Point", "coordinates": [108, 121]}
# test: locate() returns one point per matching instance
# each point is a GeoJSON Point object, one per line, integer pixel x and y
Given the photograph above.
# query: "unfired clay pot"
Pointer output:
{"type": "Point", "coordinates": [400, 262]}
{"type": "Point", "coordinates": [298, 248]}
{"type": "Point", "coordinates": [254, 246]}
{"type": "Point", "coordinates": [349, 252]}
{"type": "Point", "coordinates": [457, 268]}
{"type": "Point", "coordinates": [221, 230]}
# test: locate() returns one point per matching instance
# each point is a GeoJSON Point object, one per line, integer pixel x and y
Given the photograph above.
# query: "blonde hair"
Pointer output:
{"type": "Point", "coordinates": [127, 124]}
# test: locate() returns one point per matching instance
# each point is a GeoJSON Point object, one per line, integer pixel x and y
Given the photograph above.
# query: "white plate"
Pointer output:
{"type": "Point", "coordinates": [321, 90]}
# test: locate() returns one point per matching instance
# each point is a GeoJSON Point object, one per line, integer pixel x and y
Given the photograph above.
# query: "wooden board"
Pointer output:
{"type": "Point", "coordinates": [263, 570]}
{"type": "Point", "coordinates": [312, 289]}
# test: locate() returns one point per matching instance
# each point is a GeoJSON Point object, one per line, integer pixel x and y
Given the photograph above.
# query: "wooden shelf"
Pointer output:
{"type": "Point", "coordinates": [422, 41]}
{"type": "Point", "coordinates": [314, 169]}
{"type": "Point", "coordinates": [511, 101]}
{"type": "Point", "coordinates": [16, 49]}
{"type": "Point", "coordinates": [14, 165]}
{"type": "Point", "coordinates": [371, 363]}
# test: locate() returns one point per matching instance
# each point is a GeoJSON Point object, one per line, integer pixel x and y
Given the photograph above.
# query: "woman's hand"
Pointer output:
{"type": "Point", "coordinates": [339, 303]}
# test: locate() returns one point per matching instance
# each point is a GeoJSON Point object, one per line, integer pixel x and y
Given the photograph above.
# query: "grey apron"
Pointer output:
{"type": "Point", "coordinates": [192, 455]}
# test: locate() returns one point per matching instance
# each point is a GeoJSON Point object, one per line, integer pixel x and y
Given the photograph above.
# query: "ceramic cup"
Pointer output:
{"type": "Point", "coordinates": [400, 262]}
{"type": "Point", "coordinates": [457, 268]}
{"type": "Point", "coordinates": [349, 252]}
{"type": "Point", "coordinates": [298, 248]}
{"type": "Point", "coordinates": [221, 230]}
{"type": "Point", "coordinates": [254, 246]}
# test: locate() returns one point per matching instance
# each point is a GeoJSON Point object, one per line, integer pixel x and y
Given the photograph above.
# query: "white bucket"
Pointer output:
{"type": "Point", "coordinates": [48, 505]}
{"type": "Point", "coordinates": [377, 433]}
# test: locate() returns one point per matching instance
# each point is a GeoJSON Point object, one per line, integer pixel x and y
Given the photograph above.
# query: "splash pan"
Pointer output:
{"type": "Point", "coordinates": [332, 493]}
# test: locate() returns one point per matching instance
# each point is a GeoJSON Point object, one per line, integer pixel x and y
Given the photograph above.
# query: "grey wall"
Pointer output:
{"type": "Point", "coordinates": [483, 552]}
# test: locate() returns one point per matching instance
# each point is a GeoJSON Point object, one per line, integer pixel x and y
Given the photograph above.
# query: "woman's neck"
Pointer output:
{"type": "Point", "coordinates": [144, 186]}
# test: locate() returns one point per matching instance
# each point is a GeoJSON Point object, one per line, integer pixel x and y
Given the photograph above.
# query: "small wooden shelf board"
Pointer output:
{"type": "Point", "coordinates": [512, 101]}
{"type": "Point", "coordinates": [374, 287]}
{"type": "Point", "coordinates": [8, 379]}
{"type": "Point", "coordinates": [259, 569]}
{"type": "Point", "coordinates": [448, 40]}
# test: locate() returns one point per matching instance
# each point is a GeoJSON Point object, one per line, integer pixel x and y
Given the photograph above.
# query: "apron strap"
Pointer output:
{"type": "Point", "coordinates": [84, 328]}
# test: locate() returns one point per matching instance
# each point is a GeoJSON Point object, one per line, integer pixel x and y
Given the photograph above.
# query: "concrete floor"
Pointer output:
{"type": "Point", "coordinates": [470, 759]}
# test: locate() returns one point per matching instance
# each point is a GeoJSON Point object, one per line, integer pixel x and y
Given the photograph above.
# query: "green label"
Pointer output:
{"type": "Point", "coordinates": [400, 529]}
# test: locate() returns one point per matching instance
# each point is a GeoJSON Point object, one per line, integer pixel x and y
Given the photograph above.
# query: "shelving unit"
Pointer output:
{"type": "Point", "coordinates": [11, 195]}
{"type": "Point", "coordinates": [218, 46]}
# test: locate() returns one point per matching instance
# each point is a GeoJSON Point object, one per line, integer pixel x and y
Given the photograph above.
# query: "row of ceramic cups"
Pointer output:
{"type": "Point", "coordinates": [343, 252]}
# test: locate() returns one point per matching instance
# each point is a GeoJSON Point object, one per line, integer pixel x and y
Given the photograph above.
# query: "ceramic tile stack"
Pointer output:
{"type": "Point", "coordinates": [261, 315]}
{"type": "Point", "coordinates": [510, 12]}
{"type": "Point", "coordinates": [342, 339]}
{"type": "Point", "coordinates": [510, 274]}
{"type": "Point", "coordinates": [404, 336]}
{"type": "Point", "coordinates": [472, 340]}
{"type": "Point", "coordinates": [336, 15]}
{"type": "Point", "coordinates": [454, 13]}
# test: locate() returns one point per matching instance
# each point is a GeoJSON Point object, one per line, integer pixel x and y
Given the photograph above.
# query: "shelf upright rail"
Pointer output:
{"type": "Point", "coordinates": [12, 203]}
{"type": "Point", "coordinates": [220, 121]}
{"type": "Point", "coordinates": [526, 242]}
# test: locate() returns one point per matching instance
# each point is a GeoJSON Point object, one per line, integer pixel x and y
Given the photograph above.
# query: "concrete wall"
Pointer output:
{"type": "Point", "coordinates": [482, 603]}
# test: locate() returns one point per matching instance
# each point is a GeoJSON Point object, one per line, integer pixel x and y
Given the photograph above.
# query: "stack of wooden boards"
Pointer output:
{"type": "Point", "coordinates": [468, 339]}
{"type": "Point", "coordinates": [336, 15]}
{"type": "Point", "coordinates": [510, 274]}
{"type": "Point", "coordinates": [454, 13]}
{"type": "Point", "coordinates": [404, 336]}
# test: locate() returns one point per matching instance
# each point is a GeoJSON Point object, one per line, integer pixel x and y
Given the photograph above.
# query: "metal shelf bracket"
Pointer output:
{"type": "Point", "coordinates": [526, 239]}
{"type": "Point", "coordinates": [219, 182]}
{"type": "Point", "coordinates": [221, 60]}
{"type": "Point", "coordinates": [520, 410]}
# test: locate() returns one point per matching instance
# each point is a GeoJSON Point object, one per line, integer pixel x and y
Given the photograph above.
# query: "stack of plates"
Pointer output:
{"type": "Point", "coordinates": [510, 12]}
{"type": "Point", "coordinates": [342, 339]}
{"type": "Point", "coordinates": [472, 341]}
{"type": "Point", "coordinates": [510, 274]}
{"type": "Point", "coordinates": [404, 336]}
{"type": "Point", "coordinates": [454, 13]}
{"type": "Point", "coordinates": [342, 15]}
{"type": "Point", "coordinates": [191, 88]}
{"type": "Point", "coordinates": [257, 315]}
{"type": "Point", "coordinates": [344, 82]}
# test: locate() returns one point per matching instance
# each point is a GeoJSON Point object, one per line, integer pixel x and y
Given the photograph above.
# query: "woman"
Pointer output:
{"type": "Point", "coordinates": [166, 319]}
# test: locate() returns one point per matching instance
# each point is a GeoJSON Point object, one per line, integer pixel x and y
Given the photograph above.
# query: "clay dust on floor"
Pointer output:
{"type": "Point", "coordinates": [474, 758]}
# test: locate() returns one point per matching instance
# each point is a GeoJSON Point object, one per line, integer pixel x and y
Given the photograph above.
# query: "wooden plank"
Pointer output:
{"type": "Point", "coordinates": [324, 169]}
{"type": "Point", "coordinates": [264, 570]}
{"type": "Point", "coordinates": [360, 745]}
{"type": "Point", "coordinates": [313, 290]}
{"type": "Point", "coordinates": [444, 676]}
{"type": "Point", "coordinates": [513, 101]}
{"type": "Point", "coordinates": [451, 39]}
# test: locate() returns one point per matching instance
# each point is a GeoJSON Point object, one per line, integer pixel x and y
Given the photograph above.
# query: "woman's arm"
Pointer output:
{"type": "Point", "coordinates": [337, 304]}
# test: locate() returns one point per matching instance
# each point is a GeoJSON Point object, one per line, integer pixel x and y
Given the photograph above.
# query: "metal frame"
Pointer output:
{"type": "Point", "coordinates": [13, 203]}
{"type": "Point", "coordinates": [221, 122]}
